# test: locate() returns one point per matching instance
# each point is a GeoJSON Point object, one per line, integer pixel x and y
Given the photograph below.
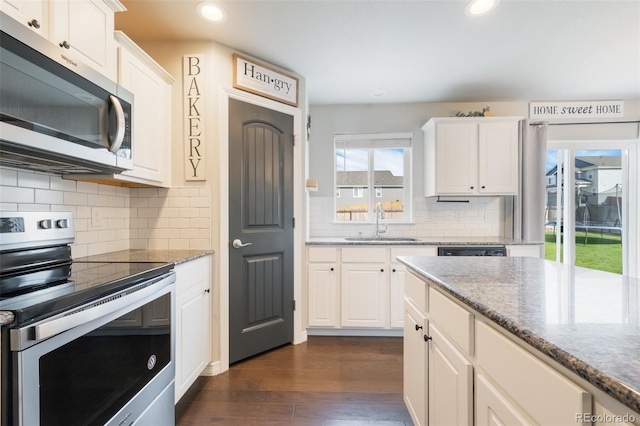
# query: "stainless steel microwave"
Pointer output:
{"type": "Point", "coordinates": [57, 114]}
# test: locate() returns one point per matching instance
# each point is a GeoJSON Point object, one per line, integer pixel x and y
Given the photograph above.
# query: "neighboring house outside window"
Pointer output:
{"type": "Point", "coordinates": [376, 169]}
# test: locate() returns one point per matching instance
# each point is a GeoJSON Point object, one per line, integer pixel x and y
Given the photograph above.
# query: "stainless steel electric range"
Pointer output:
{"type": "Point", "coordinates": [83, 343]}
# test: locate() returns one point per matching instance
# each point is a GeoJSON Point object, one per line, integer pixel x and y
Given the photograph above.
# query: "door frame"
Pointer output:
{"type": "Point", "coordinates": [299, 334]}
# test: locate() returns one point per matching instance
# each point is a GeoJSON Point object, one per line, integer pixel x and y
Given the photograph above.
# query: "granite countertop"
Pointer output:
{"type": "Point", "coordinates": [426, 241]}
{"type": "Point", "coordinates": [587, 320]}
{"type": "Point", "coordinates": [169, 256]}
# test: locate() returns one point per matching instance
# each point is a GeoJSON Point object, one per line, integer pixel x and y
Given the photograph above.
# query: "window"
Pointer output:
{"type": "Point", "coordinates": [587, 225]}
{"type": "Point", "coordinates": [374, 168]}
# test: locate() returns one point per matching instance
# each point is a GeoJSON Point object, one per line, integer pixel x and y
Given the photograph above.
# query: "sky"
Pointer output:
{"type": "Point", "coordinates": [552, 155]}
{"type": "Point", "coordinates": [385, 159]}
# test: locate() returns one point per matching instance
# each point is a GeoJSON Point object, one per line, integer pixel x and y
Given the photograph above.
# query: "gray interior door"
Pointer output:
{"type": "Point", "coordinates": [261, 220]}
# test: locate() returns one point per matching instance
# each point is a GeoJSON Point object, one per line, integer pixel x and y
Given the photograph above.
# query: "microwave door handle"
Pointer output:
{"type": "Point", "coordinates": [120, 124]}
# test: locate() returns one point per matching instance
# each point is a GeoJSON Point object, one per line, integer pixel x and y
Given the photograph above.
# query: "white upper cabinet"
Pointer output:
{"type": "Point", "coordinates": [151, 87]}
{"type": "Point", "coordinates": [471, 156]}
{"type": "Point", "coordinates": [85, 28]}
{"type": "Point", "coordinates": [31, 13]}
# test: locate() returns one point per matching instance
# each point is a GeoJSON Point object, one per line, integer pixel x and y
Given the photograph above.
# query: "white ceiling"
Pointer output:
{"type": "Point", "coordinates": [422, 50]}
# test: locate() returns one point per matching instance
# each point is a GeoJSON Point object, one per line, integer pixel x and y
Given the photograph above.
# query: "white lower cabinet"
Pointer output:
{"type": "Point", "coordinates": [358, 287]}
{"type": "Point", "coordinates": [493, 408]}
{"type": "Point", "coordinates": [323, 294]}
{"type": "Point", "coordinates": [525, 251]}
{"type": "Point", "coordinates": [450, 382]}
{"type": "Point", "coordinates": [415, 363]}
{"type": "Point", "coordinates": [193, 322]}
{"type": "Point", "coordinates": [471, 366]}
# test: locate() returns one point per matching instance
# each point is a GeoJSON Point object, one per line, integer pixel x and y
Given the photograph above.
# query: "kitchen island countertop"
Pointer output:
{"type": "Point", "coordinates": [139, 255]}
{"type": "Point", "coordinates": [586, 320]}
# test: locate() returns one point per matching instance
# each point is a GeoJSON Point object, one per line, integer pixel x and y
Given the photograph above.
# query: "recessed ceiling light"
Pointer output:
{"type": "Point", "coordinates": [211, 11]}
{"type": "Point", "coordinates": [478, 7]}
{"type": "Point", "coordinates": [378, 93]}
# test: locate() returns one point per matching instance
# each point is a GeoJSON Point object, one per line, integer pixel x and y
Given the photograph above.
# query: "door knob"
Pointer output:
{"type": "Point", "coordinates": [238, 244]}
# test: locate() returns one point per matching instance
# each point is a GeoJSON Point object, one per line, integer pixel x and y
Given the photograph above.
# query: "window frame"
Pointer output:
{"type": "Point", "coordinates": [371, 142]}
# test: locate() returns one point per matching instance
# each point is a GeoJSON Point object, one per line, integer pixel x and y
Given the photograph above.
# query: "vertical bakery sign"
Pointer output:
{"type": "Point", "coordinates": [263, 80]}
{"type": "Point", "coordinates": [194, 113]}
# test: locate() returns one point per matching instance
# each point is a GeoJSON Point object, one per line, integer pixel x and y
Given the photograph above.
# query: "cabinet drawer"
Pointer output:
{"type": "Point", "coordinates": [192, 273]}
{"type": "Point", "coordinates": [364, 255]}
{"type": "Point", "coordinates": [415, 290]}
{"type": "Point", "coordinates": [412, 251]}
{"type": "Point", "coordinates": [323, 254]}
{"type": "Point", "coordinates": [547, 396]}
{"type": "Point", "coordinates": [454, 320]}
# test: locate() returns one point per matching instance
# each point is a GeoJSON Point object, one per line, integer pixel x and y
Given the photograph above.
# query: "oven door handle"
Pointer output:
{"type": "Point", "coordinates": [100, 308]}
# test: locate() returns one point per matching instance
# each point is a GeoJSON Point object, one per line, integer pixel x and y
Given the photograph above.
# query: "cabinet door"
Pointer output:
{"type": "Point", "coordinates": [450, 382]}
{"type": "Point", "coordinates": [323, 295]}
{"type": "Point", "coordinates": [456, 158]}
{"type": "Point", "coordinates": [396, 295]}
{"type": "Point", "coordinates": [193, 322]}
{"type": "Point", "coordinates": [498, 158]}
{"type": "Point", "coordinates": [364, 295]}
{"type": "Point", "coordinates": [492, 408]}
{"type": "Point", "coordinates": [415, 364]}
{"type": "Point", "coordinates": [85, 28]}
{"type": "Point", "coordinates": [151, 118]}
{"type": "Point", "coordinates": [31, 13]}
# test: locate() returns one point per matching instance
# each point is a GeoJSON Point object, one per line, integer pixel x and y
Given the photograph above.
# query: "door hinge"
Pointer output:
{"type": "Point", "coordinates": [293, 140]}
{"type": "Point", "coordinates": [293, 221]}
{"type": "Point", "coordinates": [294, 304]}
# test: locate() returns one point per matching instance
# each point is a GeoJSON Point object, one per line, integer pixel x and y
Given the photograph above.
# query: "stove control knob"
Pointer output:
{"type": "Point", "coordinates": [44, 224]}
{"type": "Point", "coordinates": [62, 223]}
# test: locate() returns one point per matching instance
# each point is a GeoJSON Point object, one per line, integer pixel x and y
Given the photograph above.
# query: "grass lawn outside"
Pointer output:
{"type": "Point", "coordinates": [603, 253]}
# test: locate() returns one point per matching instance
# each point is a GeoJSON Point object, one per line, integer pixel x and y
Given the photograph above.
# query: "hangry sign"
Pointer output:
{"type": "Point", "coordinates": [264, 81]}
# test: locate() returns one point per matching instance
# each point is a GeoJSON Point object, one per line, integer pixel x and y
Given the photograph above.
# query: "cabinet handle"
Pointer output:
{"type": "Point", "coordinates": [34, 23]}
{"type": "Point", "coordinates": [418, 327]}
{"type": "Point", "coordinates": [65, 44]}
{"type": "Point", "coordinates": [208, 290]}
{"type": "Point", "coordinates": [427, 338]}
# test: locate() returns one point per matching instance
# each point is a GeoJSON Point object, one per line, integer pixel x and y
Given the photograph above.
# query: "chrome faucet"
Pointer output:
{"type": "Point", "coordinates": [380, 215]}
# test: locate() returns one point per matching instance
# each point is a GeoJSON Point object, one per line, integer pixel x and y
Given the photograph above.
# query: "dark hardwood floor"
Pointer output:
{"type": "Point", "coordinates": [329, 381]}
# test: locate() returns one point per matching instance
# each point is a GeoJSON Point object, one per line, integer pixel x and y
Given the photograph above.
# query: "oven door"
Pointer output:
{"type": "Point", "coordinates": [106, 370]}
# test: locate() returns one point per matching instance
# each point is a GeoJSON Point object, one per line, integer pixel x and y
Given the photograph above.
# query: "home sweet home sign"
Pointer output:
{"type": "Point", "coordinates": [194, 114]}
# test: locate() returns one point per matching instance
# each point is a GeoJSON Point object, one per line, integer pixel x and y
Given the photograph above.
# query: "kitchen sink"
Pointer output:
{"type": "Point", "coordinates": [381, 239]}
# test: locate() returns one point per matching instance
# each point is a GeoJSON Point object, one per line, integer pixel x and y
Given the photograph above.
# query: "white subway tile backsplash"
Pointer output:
{"type": "Point", "coordinates": [46, 196]}
{"type": "Point", "coordinates": [111, 218]}
{"type": "Point", "coordinates": [14, 194]}
{"type": "Point", "coordinates": [8, 177]}
{"type": "Point", "coordinates": [480, 217]}
{"type": "Point", "coordinates": [33, 180]}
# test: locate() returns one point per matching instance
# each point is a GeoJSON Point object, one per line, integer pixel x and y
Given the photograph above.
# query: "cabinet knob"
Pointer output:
{"type": "Point", "coordinates": [65, 44]}
{"type": "Point", "coordinates": [34, 23]}
{"type": "Point", "coordinates": [381, 270]}
{"type": "Point", "coordinates": [427, 338]}
{"type": "Point", "coordinates": [418, 327]}
{"type": "Point", "coordinates": [471, 187]}
{"type": "Point", "coordinates": [393, 270]}
{"type": "Point", "coordinates": [207, 290]}
{"type": "Point", "coordinates": [332, 269]}
{"type": "Point", "coordinates": [483, 187]}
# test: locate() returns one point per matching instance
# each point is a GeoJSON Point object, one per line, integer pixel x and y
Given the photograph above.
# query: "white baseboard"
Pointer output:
{"type": "Point", "coordinates": [354, 332]}
{"type": "Point", "coordinates": [212, 369]}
